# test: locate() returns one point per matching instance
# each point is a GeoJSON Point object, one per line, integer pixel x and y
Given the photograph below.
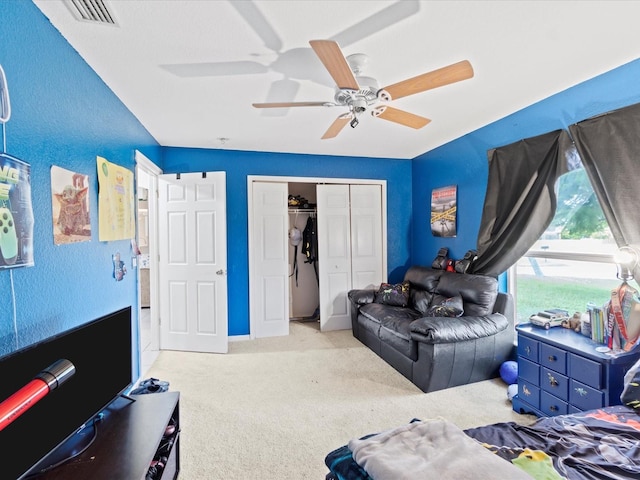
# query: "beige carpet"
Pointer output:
{"type": "Point", "coordinates": [273, 408]}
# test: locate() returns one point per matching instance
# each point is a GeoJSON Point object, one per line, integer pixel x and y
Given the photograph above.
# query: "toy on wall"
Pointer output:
{"type": "Point", "coordinates": [119, 270]}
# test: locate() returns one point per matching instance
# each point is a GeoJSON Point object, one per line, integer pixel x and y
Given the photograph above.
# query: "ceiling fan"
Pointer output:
{"type": "Point", "coordinates": [360, 94]}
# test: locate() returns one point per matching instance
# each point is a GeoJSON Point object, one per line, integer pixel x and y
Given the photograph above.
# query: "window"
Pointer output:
{"type": "Point", "coordinates": [572, 263]}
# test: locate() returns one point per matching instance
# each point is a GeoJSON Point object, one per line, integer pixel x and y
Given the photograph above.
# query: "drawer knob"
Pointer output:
{"type": "Point", "coordinates": [527, 350]}
{"type": "Point", "coordinates": [581, 391]}
{"type": "Point", "coordinates": [553, 408]}
{"type": "Point", "coordinates": [553, 358]}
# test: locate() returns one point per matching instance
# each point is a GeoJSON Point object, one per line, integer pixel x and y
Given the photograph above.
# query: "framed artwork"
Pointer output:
{"type": "Point", "coordinates": [116, 201]}
{"type": "Point", "coordinates": [443, 211]}
{"type": "Point", "coordinates": [16, 213]}
{"type": "Point", "coordinates": [70, 201]}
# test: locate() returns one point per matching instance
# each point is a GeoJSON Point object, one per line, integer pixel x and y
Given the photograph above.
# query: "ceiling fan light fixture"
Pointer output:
{"type": "Point", "coordinates": [357, 62]}
{"type": "Point", "coordinates": [358, 104]}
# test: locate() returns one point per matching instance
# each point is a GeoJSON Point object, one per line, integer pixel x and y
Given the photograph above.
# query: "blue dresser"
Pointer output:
{"type": "Point", "coordinates": [560, 372]}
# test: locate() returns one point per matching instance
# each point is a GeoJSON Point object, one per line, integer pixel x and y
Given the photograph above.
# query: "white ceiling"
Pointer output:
{"type": "Point", "coordinates": [177, 64]}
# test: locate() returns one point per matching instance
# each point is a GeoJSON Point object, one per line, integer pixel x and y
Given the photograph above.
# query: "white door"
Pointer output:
{"type": "Point", "coordinates": [193, 262]}
{"type": "Point", "coordinates": [366, 236]}
{"type": "Point", "coordinates": [269, 258]}
{"type": "Point", "coordinates": [350, 248]}
{"type": "Point", "coordinates": [334, 256]}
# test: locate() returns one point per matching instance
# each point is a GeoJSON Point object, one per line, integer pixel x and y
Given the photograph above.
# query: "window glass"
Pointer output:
{"type": "Point", "coordinates": [572, 262]}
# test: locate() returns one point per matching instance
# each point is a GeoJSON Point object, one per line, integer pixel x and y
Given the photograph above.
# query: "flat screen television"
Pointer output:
{"type": "Point", "coordinates": [100, 351]}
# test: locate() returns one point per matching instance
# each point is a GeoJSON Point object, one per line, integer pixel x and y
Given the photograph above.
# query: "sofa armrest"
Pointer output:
{"type": "Point", "coordinates": [458, 329]}
{"type": "Point", "coordinates": [362, 297]}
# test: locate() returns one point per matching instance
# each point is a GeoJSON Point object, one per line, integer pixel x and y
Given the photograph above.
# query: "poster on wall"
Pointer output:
{"type": "Point", "coordinates": [70, 201]}
{"type": "Point", "coordinates": [16, 213]}
{"type": "Point", "coordinates": [443, 211]}
{"type": "Point", "coordinates": [116, 202]}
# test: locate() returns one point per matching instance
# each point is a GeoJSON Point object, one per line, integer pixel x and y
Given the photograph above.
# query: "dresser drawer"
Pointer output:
{"type": "Point", "coordinates": [571, 410]}
{"type": "Point", "coordinates": [585, 370]}
{"type": "Point", "coordinates": [553, 357]}
{"type": "Point", "coordinates": [584, 397]}
{"type": "Point", "coordinates": [529, 371]}
{"type": "Point", "coordinates": [529, 392]}
{"type": "Point", "coordinates": [528, 348]}
{"type": "Point", "coordinates": [552, 405]}
{"type": "Point", "coordinates": [554, 383]}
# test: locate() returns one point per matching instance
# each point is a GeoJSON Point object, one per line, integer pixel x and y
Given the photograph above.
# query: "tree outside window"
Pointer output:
{"type": "Point", "coordinates": [572, 262]}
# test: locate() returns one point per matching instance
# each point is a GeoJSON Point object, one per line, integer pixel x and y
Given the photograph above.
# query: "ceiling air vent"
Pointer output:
{"type": "Point", "coordinates": [94, 11]}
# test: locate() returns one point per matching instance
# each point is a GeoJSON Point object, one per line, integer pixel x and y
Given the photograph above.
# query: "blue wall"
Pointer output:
{"type": "Point", "coordinates": [63, 115]}
{"type": "Point", "coordinates": [239, 164]}
{"type": "Point", "coordinates": [463, 162]}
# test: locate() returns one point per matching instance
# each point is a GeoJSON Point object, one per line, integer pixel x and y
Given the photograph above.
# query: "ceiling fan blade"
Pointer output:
{"type": "Point", "coordinates": [254, 17]}
{"type": "Point", "coordinates": [282, 90]}
{"type": "Point", "coordinates": [334, 61]}
{"type": "Point", "coordinates": [293, 104]}
{"type": "Point", "coordinates": [337, 125]}
{"type": "Point", "coordinates": [377, 22]}
{"type": "Point", "coordinates": [437, 78]}
{"type": "Point", "coordinates": [214, 69]}
{"type": "Point", "coordinates": [400, 116]}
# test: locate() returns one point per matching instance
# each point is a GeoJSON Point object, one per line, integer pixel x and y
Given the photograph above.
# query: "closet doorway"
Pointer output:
{"type": "Point", "coordinates": [304, 287]}
{"type": "Point", "coordinates": [350, 217]}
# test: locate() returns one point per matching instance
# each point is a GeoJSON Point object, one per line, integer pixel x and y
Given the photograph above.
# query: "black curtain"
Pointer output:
{"type": "Point", "coordinates": [520, 201]}
{"type": "Point", "coordinates": [609, 146]}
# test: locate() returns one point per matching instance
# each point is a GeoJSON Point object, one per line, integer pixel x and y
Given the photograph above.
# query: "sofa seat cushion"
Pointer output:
{"type": "Point", "coordinates": [460, 329]}
{"type": "Point", "coordinates": [394, 325]}
{"type": "Point", "coordinates": [369, 325]}
{"type": "Point", "coordinates": [390, 316]}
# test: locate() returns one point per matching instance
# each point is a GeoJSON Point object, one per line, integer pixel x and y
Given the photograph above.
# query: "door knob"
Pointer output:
{"type": "Point", "coordinates": [220, 272]}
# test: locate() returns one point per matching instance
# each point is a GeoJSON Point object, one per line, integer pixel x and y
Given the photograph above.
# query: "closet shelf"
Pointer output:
{"type": "Point", "coordinates": [301, 210]}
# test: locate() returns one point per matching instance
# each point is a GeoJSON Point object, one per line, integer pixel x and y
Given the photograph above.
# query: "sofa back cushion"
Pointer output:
{"type": "Point", "coordinates": [446, 307]}
{"type": "Point", "coordinates": [421, 300]}
{"type": "Point", "coordinates": [423, 281]}
{"type": "Point", "coordinates": [478, 292]}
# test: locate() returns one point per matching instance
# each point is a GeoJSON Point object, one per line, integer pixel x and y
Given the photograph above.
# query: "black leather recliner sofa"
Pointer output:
{"type": "Point", "coordinates": [436, 352]}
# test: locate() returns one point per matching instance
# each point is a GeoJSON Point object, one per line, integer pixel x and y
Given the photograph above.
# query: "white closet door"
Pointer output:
{"type": "Point", "coordinates": [334, 256]}
{"type": "Point", "coordinates": [366, 236]}
{"type": "Point", "coordinates": [270, 287]}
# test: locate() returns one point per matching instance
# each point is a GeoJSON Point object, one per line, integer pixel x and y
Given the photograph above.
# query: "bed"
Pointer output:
{"type": "Point", "coordinates": [595, 444]}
